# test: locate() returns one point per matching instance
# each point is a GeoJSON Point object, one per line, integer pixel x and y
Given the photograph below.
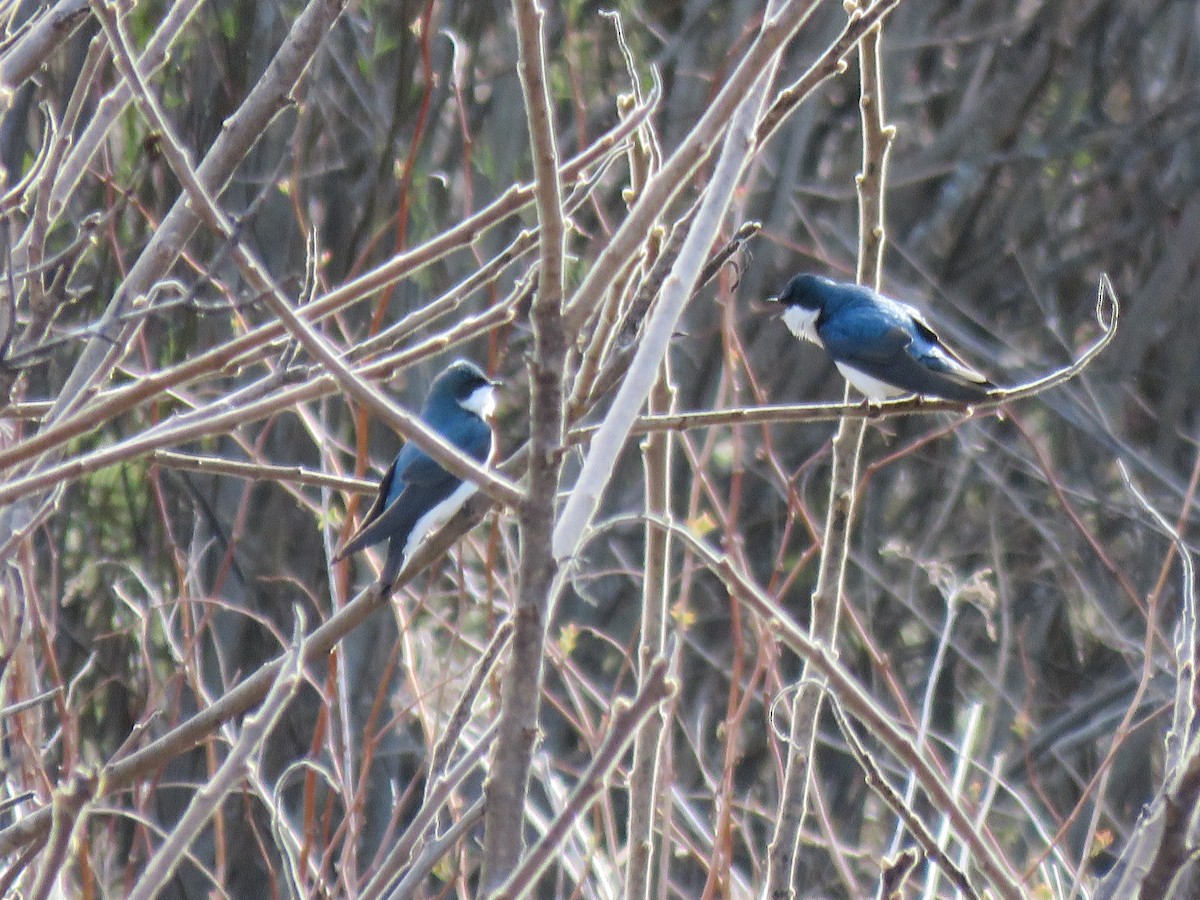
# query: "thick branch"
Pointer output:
{"type": "Point", "coordinates": [508, 782]}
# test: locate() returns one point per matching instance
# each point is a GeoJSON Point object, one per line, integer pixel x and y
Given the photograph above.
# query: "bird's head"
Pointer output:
{"type": "Point", "coordinates": [800, 304]}
{"type": "Point", "coordinates": [464, 383]}
{"type": "Point", "coordinates": [808, 292]}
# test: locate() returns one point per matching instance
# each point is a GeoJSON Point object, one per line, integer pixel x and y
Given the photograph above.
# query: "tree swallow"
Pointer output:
{"type": "Point", "coordinates": [881, 346]}
{"type": "Point", "coordinates": [417, 496]}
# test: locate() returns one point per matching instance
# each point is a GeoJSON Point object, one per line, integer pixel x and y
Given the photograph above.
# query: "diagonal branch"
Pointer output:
{"type": "Point", "coordinates": [207, 800]}
{"type": "Point", "coordinates": [656, 333]}
{"type": "Point", "coordinates": [856, 701]}
{"type": "Point", "coordinates": [410, 426]}
{"type": "Point", "coordinates": [591, 781]}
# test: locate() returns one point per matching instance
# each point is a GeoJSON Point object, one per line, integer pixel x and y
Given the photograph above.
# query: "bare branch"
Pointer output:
{"type": "Point", "coordinates": [591, 781]}
{"type": "Point", "coordinates": [799, 773]}
{"type": "Point", "coordinates": [857, 702]}
{"type": "Point", "coordinates": [520, 697]}
{"type": "Point", "coordinates": [233, 769]}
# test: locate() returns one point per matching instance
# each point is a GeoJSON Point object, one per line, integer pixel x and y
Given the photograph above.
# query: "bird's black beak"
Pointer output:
{"type": "Point", "coordinates": [774, 307]}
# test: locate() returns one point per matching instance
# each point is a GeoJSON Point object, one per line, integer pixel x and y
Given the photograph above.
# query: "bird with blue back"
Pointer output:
{"type": "Point", "coordinates": [883, 347]}
{"type": "Point", "coordinates": [417, 496]}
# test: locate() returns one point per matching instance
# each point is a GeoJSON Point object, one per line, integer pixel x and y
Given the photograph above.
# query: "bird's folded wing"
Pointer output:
{"type": "Point", "coordinates": [398, 519]}
{"type": "Point", "coordinates": [377, 508]}
{"type": "Point", "coordinates": [881, 347]}
{"type": "Point", "coordinates": [864, 336]}
{"type": "Point", "coordinates": [945, 358]}
{"type": "Point", "coordinates": [411, 466]}
{"type": "Point", "coordinates": [470, 434]}
{"type": "Point", "coordinates": [422, 483]}
{"type": "Point", "coordinates": [939, 358]}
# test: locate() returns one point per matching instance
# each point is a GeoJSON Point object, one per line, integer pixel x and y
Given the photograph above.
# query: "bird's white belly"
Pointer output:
{"type": "Point", "coordinates": [438, 516]}
{"type": "Point", "coordinates": [871, 388]}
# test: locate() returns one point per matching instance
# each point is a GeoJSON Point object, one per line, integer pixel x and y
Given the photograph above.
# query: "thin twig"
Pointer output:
{"type": "Point", "coordinates": [443, 786]}
{"type": "Point", "coordinates": [855, 699]}
{"type": "Point", "coordinates": [435, 850]}
{"type": "Point", "coordinates": [657, 688]}
{"type": "Point", "coordinates": [835, 544]}
{"type": "Point", "coordinates": [645, 788]}
{"type": "Point", "coordinates": [877, 781]}
{"type": "Point", "coordinates": [215, 465]}
{"type": "Point", "coordinates": [69, 804]}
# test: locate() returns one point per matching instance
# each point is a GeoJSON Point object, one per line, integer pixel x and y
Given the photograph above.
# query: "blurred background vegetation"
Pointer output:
{"type": "Point", "coordinates": [1039, 145]}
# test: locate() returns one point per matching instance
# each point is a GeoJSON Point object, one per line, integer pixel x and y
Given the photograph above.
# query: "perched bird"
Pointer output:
{"type": "Point", "coordinates": [881, 346]}
{"type": "Point", "coordinates": [417, 495]}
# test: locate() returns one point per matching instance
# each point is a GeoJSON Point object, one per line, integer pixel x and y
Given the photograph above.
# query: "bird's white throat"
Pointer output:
{"type": "Point", "coordinates": [481, 401]}
{"type": "Point", "coordinates": [802, 323]}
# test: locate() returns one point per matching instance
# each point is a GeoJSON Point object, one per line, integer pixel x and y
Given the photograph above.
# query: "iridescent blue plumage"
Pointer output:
{"type": "Point", "coordinates": [416, 495]}
{"type": "Point", "coordinates": [881, 346]}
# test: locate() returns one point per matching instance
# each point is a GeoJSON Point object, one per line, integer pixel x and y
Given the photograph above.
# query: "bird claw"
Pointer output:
{"type": "Point", "coordinates": [871, 410]}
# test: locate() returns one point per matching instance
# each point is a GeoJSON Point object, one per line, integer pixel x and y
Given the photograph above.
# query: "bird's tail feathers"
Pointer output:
{"type": "Point", "coordinates": [360, 540]}
{"type": "Point", "coordinates": [968, 390]}
{"type": "Point", "coordinates": [394, 521]}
